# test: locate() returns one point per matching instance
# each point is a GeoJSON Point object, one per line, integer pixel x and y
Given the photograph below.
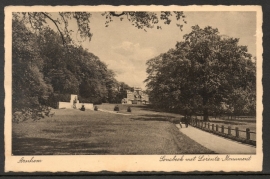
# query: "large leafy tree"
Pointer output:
{"type": "Point", "coordinates": [203, 72]}
{"type": "Point", "coordinates": [28, 84]}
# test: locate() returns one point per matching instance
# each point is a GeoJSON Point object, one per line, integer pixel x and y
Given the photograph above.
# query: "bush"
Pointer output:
{"type": "Point", "coordinates": [116, 108]}
{"type": "Point", "coordinates": [35, 113]}
{"type": "Point", "coordinates": [96, 108]}
{"type": "Point", "coordinates": [82, 108]}
{"type": "Point", "coordinates": [129, 109]}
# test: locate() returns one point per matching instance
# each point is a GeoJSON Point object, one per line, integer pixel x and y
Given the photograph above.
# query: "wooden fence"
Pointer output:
{"type": "Point", "coordinates": [228, 132]}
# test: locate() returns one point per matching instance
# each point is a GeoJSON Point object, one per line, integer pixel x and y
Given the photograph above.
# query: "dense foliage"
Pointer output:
{"type": "Point", "coordinates": [45, 71]}
{"type": "Point", "coordinates": [205, 74]}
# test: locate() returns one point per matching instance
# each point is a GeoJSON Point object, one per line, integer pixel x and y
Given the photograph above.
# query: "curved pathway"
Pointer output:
{"type": "Point", "coordinates": [216, 143]}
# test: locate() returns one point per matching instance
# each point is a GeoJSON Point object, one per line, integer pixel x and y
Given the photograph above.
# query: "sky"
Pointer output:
{"type": "Point", "coordinates": [126, 49]}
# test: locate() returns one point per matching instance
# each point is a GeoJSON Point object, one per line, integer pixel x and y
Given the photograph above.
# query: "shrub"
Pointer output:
{"type": "Point", "coordinates": [82, 108]}
{"type": "Point", "coordinates": [129, 109]}
{"type": "Point", "coordinates": [35, 113]}
{"type": "Point", "coordinates": [96, 108]}
{"type": "Point", "coordinates": [116, 108]}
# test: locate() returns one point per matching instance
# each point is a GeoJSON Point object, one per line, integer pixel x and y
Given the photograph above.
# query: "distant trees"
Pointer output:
{"type": "Point", "coordinates": [45, 71]}
{"type": "Point", "coordinates": [202, 74]}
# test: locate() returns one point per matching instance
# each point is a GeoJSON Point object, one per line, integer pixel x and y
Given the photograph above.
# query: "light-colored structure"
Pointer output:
{"type": "Point", "coordinates": [74, 103]}
{"type": "Point", "coordinates": [137, 96]}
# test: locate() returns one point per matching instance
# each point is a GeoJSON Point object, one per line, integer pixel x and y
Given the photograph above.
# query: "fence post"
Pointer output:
{"type": "Point", "coordinates": [217, 128]}
{"type": "Point", "coordinates": [213, 128]}
{"type": "Point", "coordinates": [208, 125]}
{"type": "Point", "coordinates": [222, 129]}
{"type": "Point", "coordinates": [236, 132]}
{"type": "Point", "coordinates": [229, 130]}
{"type": "Point", "coordinates": [248, 133]}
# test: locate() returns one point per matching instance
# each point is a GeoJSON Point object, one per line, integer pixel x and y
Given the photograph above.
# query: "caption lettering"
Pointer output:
{"type": "Point", "coordinates": [203, 158]}
{"type": "Point", "coordinates": [29, 160]}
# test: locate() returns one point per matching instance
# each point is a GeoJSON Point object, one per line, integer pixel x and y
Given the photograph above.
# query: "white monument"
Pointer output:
{"type": "Point", "coordinates": [74, 104]}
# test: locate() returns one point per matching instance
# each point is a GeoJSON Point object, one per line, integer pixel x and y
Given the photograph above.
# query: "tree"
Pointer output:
{"type": "Point", "coordinates": [61, 20]}
{"type": "Point", "coordinates": [201, 73]}
{"type": "Point", "coordinates": [29, 88]}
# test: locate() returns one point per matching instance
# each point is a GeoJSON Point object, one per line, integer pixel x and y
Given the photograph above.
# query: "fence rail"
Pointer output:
{"type": "Point", "coordinates": [220, 130]}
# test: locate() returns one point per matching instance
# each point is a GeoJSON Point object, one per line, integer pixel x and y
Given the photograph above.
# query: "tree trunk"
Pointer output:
{"type": "Point", "coordinates": [205, 114]}
{"type": "Point", "coordinates": [205, 110]}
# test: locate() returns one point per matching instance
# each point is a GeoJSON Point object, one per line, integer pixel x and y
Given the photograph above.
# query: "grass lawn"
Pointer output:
{"type": "Point", "coordinates": [74, 132]}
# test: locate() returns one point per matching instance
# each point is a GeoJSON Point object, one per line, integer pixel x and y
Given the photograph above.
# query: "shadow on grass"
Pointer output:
{"type": "Point", "coordinates": [43, 146]}
{"type": "Point", "coordinates": [150, 119]}
{"type": "Point", "coordinates": [157, 117]}
{"type": "Point", "coordinates": [146, 108]}
{"type": "Point", "coordinates": [149, 107]}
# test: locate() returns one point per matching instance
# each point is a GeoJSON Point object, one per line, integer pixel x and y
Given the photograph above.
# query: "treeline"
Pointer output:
{"type": "Point", "coordinates": [46, 71]}
{"type": "Point", "coordinates": [205, 74]}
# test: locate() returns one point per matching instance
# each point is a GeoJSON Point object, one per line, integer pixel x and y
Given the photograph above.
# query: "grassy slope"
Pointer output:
{"type": "Point", "coordinates": [145, 113]}
{"type": "Point", "coordinates": [95, 132]}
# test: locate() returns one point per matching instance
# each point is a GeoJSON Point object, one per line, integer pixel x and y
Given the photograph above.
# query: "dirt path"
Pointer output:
{"type": "Point", "coordinates": [216, 143]}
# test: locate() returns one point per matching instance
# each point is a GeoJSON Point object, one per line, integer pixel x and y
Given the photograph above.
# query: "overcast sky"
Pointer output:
{"type": "Point", "coordinates": [125, 49]}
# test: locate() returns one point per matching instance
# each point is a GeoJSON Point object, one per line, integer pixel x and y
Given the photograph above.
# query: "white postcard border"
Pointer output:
{"type": "Point", "coordinates": [128, 163]}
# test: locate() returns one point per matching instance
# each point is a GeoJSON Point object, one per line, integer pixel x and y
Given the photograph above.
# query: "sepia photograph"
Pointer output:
{"type": "Point", "coordinates": [179, 85]}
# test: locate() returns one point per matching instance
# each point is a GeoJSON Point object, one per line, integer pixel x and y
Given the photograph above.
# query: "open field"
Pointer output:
{"type": "Point", "coordinates": [74, 132]}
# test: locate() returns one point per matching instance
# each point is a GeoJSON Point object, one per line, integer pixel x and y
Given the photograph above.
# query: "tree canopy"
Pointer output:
{"type": "Point", "coordinates": [205, 73]}
{"type": "Point", "coordinates": [45, 72]}
{"type": "Point", "coordinates": [61, 20]}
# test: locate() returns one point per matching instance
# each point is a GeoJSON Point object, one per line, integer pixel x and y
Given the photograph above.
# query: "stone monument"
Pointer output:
{"type": "Point", "coordinates": [74, 104]}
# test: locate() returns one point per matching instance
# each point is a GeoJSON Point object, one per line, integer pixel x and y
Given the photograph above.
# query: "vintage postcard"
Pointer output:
{"type": "Point", "coordinates": [133, 88]}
